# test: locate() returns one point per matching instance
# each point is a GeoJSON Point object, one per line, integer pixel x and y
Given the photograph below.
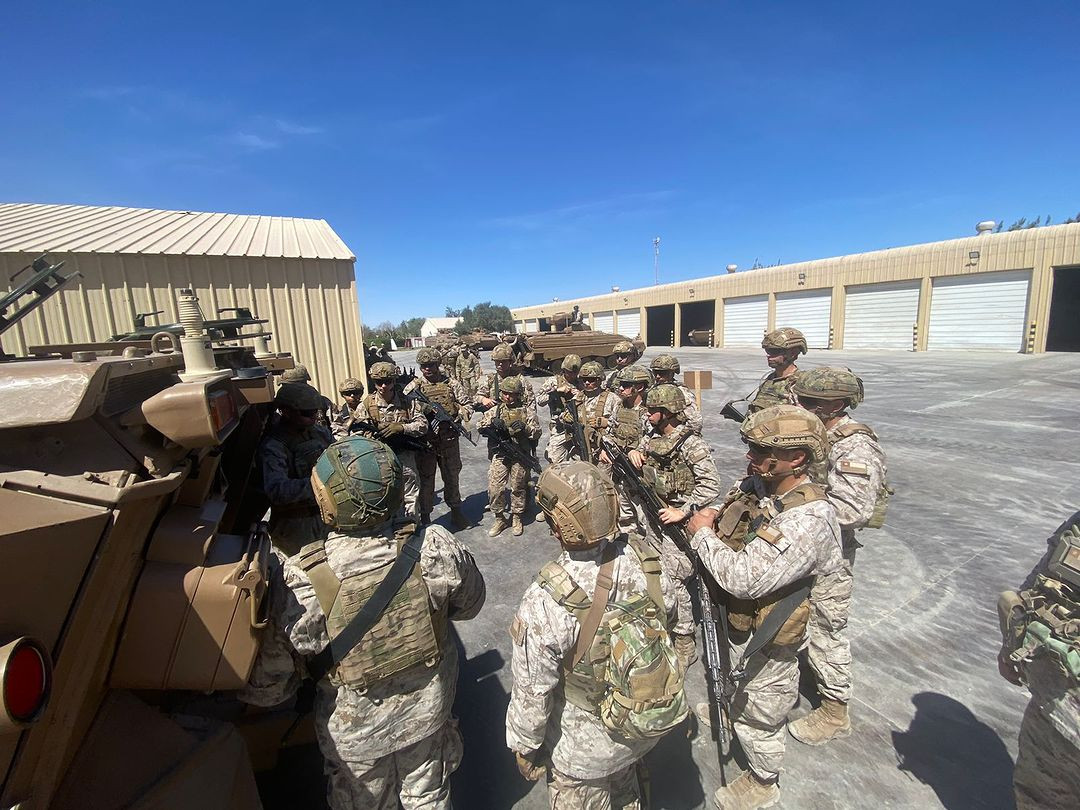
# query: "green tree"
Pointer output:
{"type": "Point", "coordinates": [453, 313]}
{"type": "Point", "coordinates": [487, 317]}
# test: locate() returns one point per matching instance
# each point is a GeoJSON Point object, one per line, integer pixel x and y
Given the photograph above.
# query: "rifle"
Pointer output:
{"type": "Point", "coordinates": [505, 443]}
{"type": "Point", "coordinates": [439, 415]}
{"type": "Point", "coordinates": [717, 666]}
{"type": "Point", "coordinates": [580, 441]}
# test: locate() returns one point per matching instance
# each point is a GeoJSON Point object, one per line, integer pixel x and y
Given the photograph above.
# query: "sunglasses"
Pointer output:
{"type": "Point", "coordinates": [758, 449]}
{"type": "Point", "coordinates": [352, 393]}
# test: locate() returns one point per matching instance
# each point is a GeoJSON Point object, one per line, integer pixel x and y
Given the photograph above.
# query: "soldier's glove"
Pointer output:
{"type": "Point", "coordinates": [498, 425]}
{"type": "Point", "coordinates": [393, 429]}
{"type": "Point", "coordinates": [531, 765]}
{"type": "Point", "coordinates": [566, 418]}
{"type": "Point", "coordinates": [516, 428]}
{"type": "Point", "coordinates": [565, 390]}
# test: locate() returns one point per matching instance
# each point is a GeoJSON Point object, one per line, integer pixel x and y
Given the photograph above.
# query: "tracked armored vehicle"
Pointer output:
{"type": "Point", "coordinates": [544, 351]}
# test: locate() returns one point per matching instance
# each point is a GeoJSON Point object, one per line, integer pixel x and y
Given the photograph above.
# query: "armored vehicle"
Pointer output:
{"type": "Point", "coordinates": [544, 351]}
{"type": "Point", "coordinates": [483, 341]}
{"type": "Point", "coordinates": [133, 568]}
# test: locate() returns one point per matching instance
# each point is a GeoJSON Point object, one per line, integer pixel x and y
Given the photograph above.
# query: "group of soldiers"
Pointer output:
{"type": "Point", "coordinates": [604, 638]}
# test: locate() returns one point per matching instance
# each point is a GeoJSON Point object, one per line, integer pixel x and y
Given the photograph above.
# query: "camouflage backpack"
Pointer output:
{"type": "Point", "coordinates": [627, 674]}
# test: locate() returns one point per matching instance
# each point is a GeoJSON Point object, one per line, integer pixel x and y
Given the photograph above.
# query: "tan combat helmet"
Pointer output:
{"type": "Point", "coordinates": [299, 396]}
{"type": "Point", "coordinates": [785, 339]}
{"type": "Point", "coordinates": [634, 375]}
{"type": "Point", "coordinates": [580, 503]}
{"type": "Point", "coordinates": [829, 383]}
{"type": "Point", "coordinates": [502, 352]}
{"type": "Point", "coordinates": [624, 347]}
{"type": "Point", "coordinates": [350, 384]}
{"type": "Point", "coordinates": [427, 356]}
{"type": "Point", "coordinates": [591, 371]}
{"type": "Point", "coordinates": [787, 427]}
{"type": "Point", "coordinates": [571, 363]}
{"type": "Point", "coordinates": [383, 371]}
{"type": "Point", "coordinates": [665, 362]}
{"type": "Point", "coordinates": [668, 397]}
{"type": "Point", "coordinates": [296, 374]}
{"type": "Point", "coordinates": [357, 483]}
{"type": "Point", "coordinates": [512, 385]}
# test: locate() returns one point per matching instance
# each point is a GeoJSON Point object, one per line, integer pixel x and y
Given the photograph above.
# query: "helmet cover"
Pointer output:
{"type": "Point", "coordinates": [297, 373]}
{"type": "Point", "coordinates": [665, 362]}
{"type": "Point", "coordinates": [357, 483]}
{"type": "Point", "coordinates": [666, 396]}
{"type": "Point", "coordinates": [502, 352]}
{"type": "Point", "coordinates": [383, 371]}
{"type": "Point", "coordinates": [829, 383]}
{"type": "Point", "coordinates": [580, 500]}
{"type": "Point", "coordinates": [785, 339]}
{"type": "Point", "coordinates": [787, 427]}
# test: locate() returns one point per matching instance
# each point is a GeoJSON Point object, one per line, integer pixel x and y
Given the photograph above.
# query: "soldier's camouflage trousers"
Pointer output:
{"type": "Point", "coordinates": [417, 776]}
{"type": "Point", "coordinates": [447, 459]}
{"type": "Point", "coordinates": [761, 704]}
{"type": "Point", "coordinates": [410, 484]}
{"type": "Point", "coordinates": [500, 474]}
{"type": "Point", "coordinates": [560, 447]}
{"type": "Point", "coordinates": [1047, 773]}
{"type": "Point", "coordinates": [619, 791]}
{"type": "Point", "coordinates": [829, 652]}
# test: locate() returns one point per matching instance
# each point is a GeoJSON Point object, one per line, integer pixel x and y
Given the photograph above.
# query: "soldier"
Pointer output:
{"type": "Point", "coordinates": [664, 367]}
{"type": "Point", "coordinates": [487, 392]}
{"type": "Point", "coordinates": [383, 709]}
{"type": "Point", "coordinates": [855, 477]}
{"type": "Point", "coordinates": [514, 422]}
{"type": "Point", "coordinates": [631, 420]}
{"type": "Point", "coordinates": [554, 393]}
{"type": "Point", "coordinates": [1041, 650]}
{"type": "Point", "coordinates": [299, 374]}
{"type": "Point", "coordinates": [286, 457]}
{"type": "Point", "coordinates": [446, 452]}
{"type": "Point", "coordinates": [782, 348]}
{"type": "Point", "coordinates": [468, 369]}
{"type": "Point", "coordinates": [352, 391]}
{"type": "Point", "coordinates": [678, 466]}
{"type": "Point", "coordinates": [450, 355]}
{"type": "Point", "coordinates": [774, 531]}
{"type": "Point", "coordinates": [626, 354]}
{"type": "Point", "coordinates": [572, 722]}
{"type": "Point", "coordinates": [599, 407]}
{"type": "Point", "coordinates": [390, 416]}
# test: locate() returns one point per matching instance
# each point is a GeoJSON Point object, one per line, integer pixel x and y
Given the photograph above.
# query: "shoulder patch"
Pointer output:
{"type": "Point", "coordinates": [517, 631]}
{"type": "Point", "coordinates": [853, 468]}
{"type": "Point", "coordinates": [771, 535]}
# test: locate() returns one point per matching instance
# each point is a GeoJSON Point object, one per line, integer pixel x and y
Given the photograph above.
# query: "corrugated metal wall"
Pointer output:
{"type": "Point", "coordinates": [311, 303]}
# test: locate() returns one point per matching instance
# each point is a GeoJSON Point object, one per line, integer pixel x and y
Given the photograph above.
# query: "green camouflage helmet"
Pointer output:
{"type": "Point", "coordinates": [428, 355]}
{"type": "Point", "coordinates": [665, 362]}
{"type": "Point", "coordinates": [357, 483]}
{"type": "Point", "coordinates": [350, 384]}
{"type": "Point", "coordinates": [296, 374]}
{"type": "Point", "coordinates": [624, 347]}
{"type": "Point", "coordinates": [502, 352]}
{"type": "Point", "coordinates": [383, 371]}
{"type": "Point", "coordinates": [668, 397]}
{"type": "Point", "coordinates": [299, 396]}
{"type": "Point", "coordinates": [633, 374]}
{"type": "Point", "coordinates": [512, 385]}
{"type": "Point", "coordinates": [786, 339]}
{"type": "Point", "coordinates": [591, 371]}
{"type": "Point", "coordinates": [571, 363]}
{"type": "Point", "coordinates": [829, 383]}
{"type": "Point", "coordinates": [787, 426]}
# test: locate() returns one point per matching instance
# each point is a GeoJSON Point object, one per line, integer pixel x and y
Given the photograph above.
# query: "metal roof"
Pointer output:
{"type": "Point", "coordinates": [32, 228]}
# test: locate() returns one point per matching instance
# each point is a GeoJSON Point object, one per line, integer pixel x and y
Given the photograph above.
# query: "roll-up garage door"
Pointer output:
{"type": "Point", "coordinates": [745, 320]}
{"type": "Point", "coordinates": [881, 316]}
{"type": "Point", "coordinates": [604, 321]}
{"type": "Point", "coordinates": [519, 327]}
{"type": "Point", "coordinates": [629, 324]}
{"type": "Point", "coordinates": [808, 311]}
{"type": "Point", "coordinates": [985, 311]}
{"type": "Point", "coordinates": [532, 326]}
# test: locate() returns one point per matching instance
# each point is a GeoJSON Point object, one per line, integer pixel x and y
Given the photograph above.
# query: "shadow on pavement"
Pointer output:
{"type": "Point", "coordinates": [674, 776]}
{"type": "Point", "coordinates": [961, 758]}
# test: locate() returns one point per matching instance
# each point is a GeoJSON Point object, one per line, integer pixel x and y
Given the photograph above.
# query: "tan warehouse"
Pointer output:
{"type": "Point", "coordinates": [1014, 291]}
{"type": "Point", "coordinates": [296, 273]}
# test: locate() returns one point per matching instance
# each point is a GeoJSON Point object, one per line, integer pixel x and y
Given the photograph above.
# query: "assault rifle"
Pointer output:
{"type": "Point", "coordinates": [437, 414]}
{"type": "Point", "coordinates": [717, 663]}
{"type": "Point", "coordinates": [506, 443]}
{"type": "Point", "coordinates": [578, 430]}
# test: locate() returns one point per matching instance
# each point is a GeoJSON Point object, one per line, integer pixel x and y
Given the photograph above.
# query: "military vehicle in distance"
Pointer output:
{"type": "Point", "coordinates": [133, 564]}
{"type": "Point", "coordinates": [481, 340]}
{"type": "Point", "coordinates": [544, 351]}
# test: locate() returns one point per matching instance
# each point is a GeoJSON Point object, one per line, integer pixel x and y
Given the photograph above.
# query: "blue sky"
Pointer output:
{"type": "Point", "coordinates": [514, 151]}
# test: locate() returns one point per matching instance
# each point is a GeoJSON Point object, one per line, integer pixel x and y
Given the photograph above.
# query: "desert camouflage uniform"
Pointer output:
{"type": "Point", "coordinates": [560, 446]}
{"type": "Point", "coordinates": [397, 737]}
{"type": "Point", "coordinates": [628, 427]}
{"type": "Point", "coordinates": [692, 413]}
{"type": "Point", "coordinates": [490, 381]}
{"type": "Point", "coordinates": [692, 452]}
{"type": "Point", "coordinates": [590, 767]}
{"type": "Point", "coordinates": [810, 544]}
{"type": "Point", "coordinates": [286, 459]}
{"type": "Point", "coordinates": [856, 474]}
{"type": "Point", "coordinates": [468, 371]}
{"type": "Point", "coordinates": [773, 391]}
{"type": "Point", "coordinates": [504, 471]}
{"type": "Point", "coordinates": [598, 411]}
{"type": "Point", "coordinates": [409, 414]}
{"type": "Point", "coordinates": [445, 454]}
{"type": "Point", "coordinates": [1047, 773]}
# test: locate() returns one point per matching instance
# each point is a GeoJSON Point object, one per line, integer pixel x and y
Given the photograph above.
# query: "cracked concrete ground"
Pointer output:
{"type": "Point", "coordinates": [982, 456]}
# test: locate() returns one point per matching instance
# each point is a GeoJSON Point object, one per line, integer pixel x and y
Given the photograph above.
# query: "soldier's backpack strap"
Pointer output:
{"type": "Point", "coordinates": [312, 559]}
{"type": "Point", "coordinates": [802, 494]}
{"type": "Point", "coordinates": [851, 429]}
{"type": "Point", "coordinates": [344, 642]}
{"type": "Point", "coordinates": [372, 409]}
{"type": "Point", "coordinates": [650, 566]}
{"type": "Point", "coordinates": [597, 609]}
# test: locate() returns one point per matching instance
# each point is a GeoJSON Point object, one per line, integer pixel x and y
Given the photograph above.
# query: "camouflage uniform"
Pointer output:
{"type": "Point", "coordinates": [382, 413]}
{"type": "Point", "coordinates": [504, 470]}
{"type": "Point", "coordinates": [341, 421]}
{"type": "Point", "coordinates": [396, 739]}
{"type": "Point", "coordinates": [468, 371]}
{"type": "Point", "coordinates": [286, 458]}
{"type": "Point", "coordinates": [591, 768]}
{"type": "Point", "coordinates": [446, 450]}
{"type": "Point", "coordinates": [773, 390]}
{"type": "Point", "coordinates": [560, 446]}
{"type": "Point", "coordinates": [1047, 772]}
{"type": "Point", "coordinates": [491, 382]}
{"type": "Point", "coordinates": [598, 410]}
{"type": "Point", "coordinates": [806, 540]}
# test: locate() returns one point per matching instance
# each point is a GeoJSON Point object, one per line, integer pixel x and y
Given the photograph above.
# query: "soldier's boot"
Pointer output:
{"type": "Point", "coordinates": [829, 721]}
{"type": "Point", "coordinates": [457, 519]}
{"type": "Point", "coordinates": [747, 793]}
{"type": "Point", "coordinates": [518, 528]}
{"type": "Point", "coordinates": [685, 649]}
{"type": "Point", "coordinates": [499, 525]}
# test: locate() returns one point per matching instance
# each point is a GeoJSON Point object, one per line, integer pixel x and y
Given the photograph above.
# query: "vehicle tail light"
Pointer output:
{"type": "Point", "coordinates": [25, 682]}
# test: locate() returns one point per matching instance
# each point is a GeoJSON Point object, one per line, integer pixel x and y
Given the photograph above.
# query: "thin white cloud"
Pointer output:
{"type": "Point", "coordinates": [108, 92]}
{"type": "Point", "coordinates": [249, 140]}
{"type": "Point", "coordinates": [576, 214]}
{"type": "Point", "coordinates": [292, 128]}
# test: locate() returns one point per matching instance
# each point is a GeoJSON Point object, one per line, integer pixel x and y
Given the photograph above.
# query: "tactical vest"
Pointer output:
{"type": "Point", "coordinates": [599, 403]}
{"type": "Point", "coordinates": [441, 393]}
{"type": "Point", "coordinates": [627, 430]}
{"type": "Point", "coordinates": [743, 520]}
{"type": "Point", "coordinates": [666, 471]}
{"type": "Point", "coordinates": [773, 392]}
{"type": "Point", "coordinates": [395, 413]}
{"type": "Point", "coordinates": [408, 634]}
{"type": "Point", "coordinates": [820, 476]}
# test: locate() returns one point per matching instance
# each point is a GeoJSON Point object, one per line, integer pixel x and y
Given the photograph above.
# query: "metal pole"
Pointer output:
{"type": "Point", "coordinates": [656, 260]}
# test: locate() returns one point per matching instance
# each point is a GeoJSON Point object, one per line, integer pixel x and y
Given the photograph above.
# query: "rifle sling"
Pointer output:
{"type": "Point", "coordinates": [780, 613]}
{"type": "Point", "coordinates": [596, 609]}
{"type": "Point", "coordinates": [344, 642]}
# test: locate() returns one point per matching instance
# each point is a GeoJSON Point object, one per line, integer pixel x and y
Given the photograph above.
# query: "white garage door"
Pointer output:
{"type": "Point", "coordinates": [604, 321]}
{"type": "Point", "coordinates": [881, 316]}
{"type": "Point", "coordinates": [629, 324]}
{"type": "Point", "coordinates": [745, 320]}
{"type": "Point", "coordinates": [808, 311]}
{"type": "Point", "coordinates": [979, 312]}
{"type": "Point", "coordinates": [519, 327]}
{"type": "Point", "coordinates": [532, 326]}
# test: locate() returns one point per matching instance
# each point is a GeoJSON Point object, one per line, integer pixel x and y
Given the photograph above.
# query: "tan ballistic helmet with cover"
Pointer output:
{"type": "Point", "coordinates": [634, 375]}
{"type": "Point", "coordinates": [786, 339]}
{"type": "Point", "coordinates": [296, 374]}
{"type": "Point", "coordinates": [625, 347]}
{"type": "Point", "coordinates": [427, 356]}
{"type": "Point", "coordinates": [591, 371]}
{"type": "Point", "coordinates": [383, 371]}
{"type": "Point", "coordinates": [571, 363]}
{"type": "Point", "coordinates": [580, 501]}
{"type": "Point", "coordinates": [668, 397]}
{"type": "Point", "coordinates": [350, 384]}
{"type": "Point", "coordinates": [502, 352]}
{"type": "Point", "coordinates": [829, 383]}
{"type": "Point", "coordinates": [512, 385]}
{"type": "Point", "coordinates": [665, 362]}
{"type": "Point", "coordinates": [357, 483]}
{"type": "Point", "coordinates": [299, 396]}
{"type": "Point", "coordinates": [787, 427]}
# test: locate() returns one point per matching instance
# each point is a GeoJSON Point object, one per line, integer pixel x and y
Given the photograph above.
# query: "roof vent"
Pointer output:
{"type": "Point", "coordinates": [614, 289]}
{"type": "Point", "coordinates": [731, 268]}
{"type": "Point", "coordinates": [985, 227]}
